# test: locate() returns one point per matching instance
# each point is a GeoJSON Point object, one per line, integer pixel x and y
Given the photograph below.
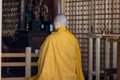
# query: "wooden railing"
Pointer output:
{"type": "Point", "coordinates": [27, 63]}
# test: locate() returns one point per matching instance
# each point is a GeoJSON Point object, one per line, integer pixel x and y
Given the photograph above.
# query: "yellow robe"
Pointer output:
{"type": "Point", "coordinates": [60, 58]}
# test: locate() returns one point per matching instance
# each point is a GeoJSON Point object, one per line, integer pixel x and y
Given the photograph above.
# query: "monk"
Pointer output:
{"type": "Point", "coordinates": [60, 57]}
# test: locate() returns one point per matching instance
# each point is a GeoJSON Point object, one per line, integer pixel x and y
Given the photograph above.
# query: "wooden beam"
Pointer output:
{"type": "Point", "coordinates": [18, 55]}
{"type": "Point", "coordinates": [113, 40]}
{"type": "Point", "coordinates": [15, 78]}
{"type": "Point", "coordinates": [13, 64]}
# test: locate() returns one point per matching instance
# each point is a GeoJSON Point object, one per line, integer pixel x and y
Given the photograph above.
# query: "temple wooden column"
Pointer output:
{"type": "Point", "coordinates": [118, 63]}
{"type": "Point", "coordinates": [118, 56]}
{"type": "Point", "coordinates": [22, 12]}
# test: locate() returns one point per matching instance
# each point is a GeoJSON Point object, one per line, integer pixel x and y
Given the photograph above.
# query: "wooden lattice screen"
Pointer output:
{"type": "Point", "coordinates": [85, 16]}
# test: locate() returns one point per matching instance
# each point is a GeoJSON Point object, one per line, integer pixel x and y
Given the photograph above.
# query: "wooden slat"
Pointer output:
{"type": "Point", "coordinates": [18, 55]}
{"type": "Point", "coordinates": [34, 64]}
{"type": "Point", "coordinates": [12, 64]}
{"type": "Point", "coordinates": [94, 73]}
{"type": "Point", "coordinates": [13, 54]}
{"type": "Point", "coordinates": [15, 78]}
{"type": "Point", "coordinates": [34, 55]}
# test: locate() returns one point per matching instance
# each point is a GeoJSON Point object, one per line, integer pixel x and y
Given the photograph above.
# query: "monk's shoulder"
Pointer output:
{"type": "Point", "coordinates": [50, 37]}
{"type": "Point", "coordinates": [55, 34]}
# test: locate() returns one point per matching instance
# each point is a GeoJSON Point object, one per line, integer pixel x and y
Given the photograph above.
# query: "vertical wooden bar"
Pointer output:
{"type": "Point", "coordinates": [63, 6]}
{"type": "Point", "coordinates": [28, 62]}
{"type": "Point", "coordinates": [112, 12]}
{"type": "Point", "coordinates": [59, 6]}
{"type": "Point", "coordinates": [107, 54]}
{"type": "Point", "coordinates": [118, 62]}
{"type": "Point", "coordinates": [105, 13]}
{"type": "Point", "coordinates": [22, 13]}
{"type": "Point", "coordinates": [114, 54]}
{"type": "Point", "coordinates": [90, 57]}
{"type": "Point", "coordinates": [97, 23]}
{"type": "Point", "coordinates": [90, 17]}
{"type": "Point", "coordinates": [97, 58]}
{"type": "Point", "coordinates": [75, 5]}
{"type": "Point", "coordinates": [0, 35]}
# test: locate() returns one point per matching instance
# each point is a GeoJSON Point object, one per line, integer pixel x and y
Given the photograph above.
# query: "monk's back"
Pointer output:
{"type": "Point", "coordinates": [64, 56]}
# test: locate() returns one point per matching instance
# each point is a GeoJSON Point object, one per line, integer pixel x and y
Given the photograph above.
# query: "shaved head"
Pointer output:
{"type": "Point", "coordinates": [61, 20]}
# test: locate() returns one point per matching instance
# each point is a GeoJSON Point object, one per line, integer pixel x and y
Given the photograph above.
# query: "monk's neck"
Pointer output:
{"type": "Point", "coordinates": [63, 28]}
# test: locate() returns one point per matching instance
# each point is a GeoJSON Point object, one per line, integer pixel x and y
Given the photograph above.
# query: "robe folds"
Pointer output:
{"type": "Point", "coordinates": [60, 58]}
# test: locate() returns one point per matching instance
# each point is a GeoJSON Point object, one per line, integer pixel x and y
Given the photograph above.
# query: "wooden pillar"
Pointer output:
{"type": "Point", "coordinates": [114, 54]}
{"type": "Point", "coordinates": [28, 62]}
{"type": "Point", "coordinates": [63, 6]}
{"type": "Point", "coordinates": [118, 56]}
{"type": "Point", "coordinates": [97, 59]}
{"type": "Point", "coordinates": [90, 58]}
{"type": "Point", "coordinates": [22, 12]}
{"type": "Point", "coordinates": [107, 56]}
{"type": "Point", "coordinates": [118, 62]}
{"type": "Point", "coordinates": [59, 6]}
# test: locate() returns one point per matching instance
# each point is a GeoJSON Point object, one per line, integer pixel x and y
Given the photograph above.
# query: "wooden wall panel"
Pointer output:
{"type": "Point", "coordinates": [85, 16]}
